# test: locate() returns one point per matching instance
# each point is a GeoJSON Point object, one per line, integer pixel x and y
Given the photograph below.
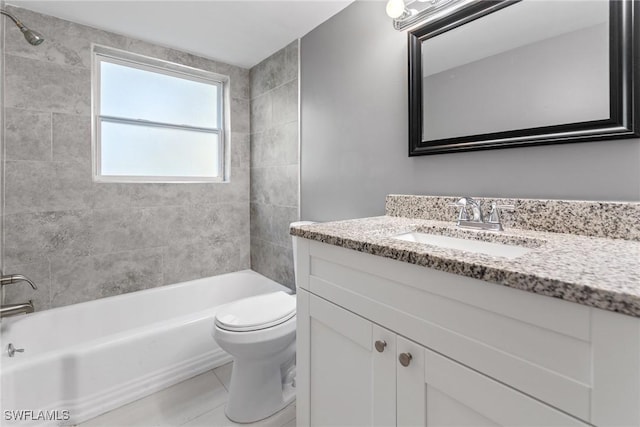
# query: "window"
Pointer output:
{"type": "Point", "coordinates": [156, 121]}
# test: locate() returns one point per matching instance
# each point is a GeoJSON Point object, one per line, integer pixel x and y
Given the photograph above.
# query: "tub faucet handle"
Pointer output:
{"type": "Point", "coordinates": [12, 350]}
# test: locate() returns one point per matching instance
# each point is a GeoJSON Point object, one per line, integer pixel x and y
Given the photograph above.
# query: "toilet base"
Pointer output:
{"type": "Point", "coordinates": [288, 396]}
{"type": "Point", "coordinates": [259, 390]}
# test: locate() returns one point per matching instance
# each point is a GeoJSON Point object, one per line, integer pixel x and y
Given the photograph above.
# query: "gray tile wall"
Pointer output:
{"type": "Point", "coordinates": [82, 240]}
{"type": "Point", "coordinates": [274, 163]}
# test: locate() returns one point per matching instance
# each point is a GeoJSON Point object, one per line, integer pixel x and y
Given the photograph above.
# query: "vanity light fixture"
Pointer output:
{"type": "Point", "coordinates": [396, 8]}
{"type": "Point", "coordinates": [422, 11]}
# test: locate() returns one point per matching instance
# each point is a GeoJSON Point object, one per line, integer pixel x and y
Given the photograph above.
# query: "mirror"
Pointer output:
{"type": "Point", "coordinates": [500, 74]}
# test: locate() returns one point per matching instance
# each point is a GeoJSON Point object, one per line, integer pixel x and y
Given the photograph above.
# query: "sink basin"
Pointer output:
{"type": "Point", "coordinates": [467, 245]}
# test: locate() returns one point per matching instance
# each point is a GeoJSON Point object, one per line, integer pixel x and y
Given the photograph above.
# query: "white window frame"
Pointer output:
{"type": "Point", "coordinates": [116, 56]}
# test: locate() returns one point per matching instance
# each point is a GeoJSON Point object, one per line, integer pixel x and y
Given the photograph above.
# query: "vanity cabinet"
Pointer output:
{"type": "Point", "coordinates": [481, 354]}
{"type": "Point", "coordinates": [362, 374]}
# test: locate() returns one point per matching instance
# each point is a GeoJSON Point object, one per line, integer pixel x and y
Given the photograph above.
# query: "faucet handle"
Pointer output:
{"type": "Point", "coordinates": [462, 214]}
{"type": "Point", "coordinates": [494, 213]}
{"type": "Point", "coordinates": [11, 350]}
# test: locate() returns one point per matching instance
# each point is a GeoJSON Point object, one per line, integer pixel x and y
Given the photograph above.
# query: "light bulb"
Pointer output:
{"type": "Point", "coordinates": [395, 8]}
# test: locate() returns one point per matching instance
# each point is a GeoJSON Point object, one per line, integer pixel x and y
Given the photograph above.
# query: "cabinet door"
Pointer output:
{"type": "Point", "coordinates": [446, 393]}
{"type": "Point", "coordinates": [351, 382]}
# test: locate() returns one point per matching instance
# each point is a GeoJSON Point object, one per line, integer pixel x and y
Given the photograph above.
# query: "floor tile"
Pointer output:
{"type": "Point", "coordinates": [217, 418]}
{"type": "Point", "coordinates": [224, 374]}
{"type": "Point", "coordinates": [173, 406]}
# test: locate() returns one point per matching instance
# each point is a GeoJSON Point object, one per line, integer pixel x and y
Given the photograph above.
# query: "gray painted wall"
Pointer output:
{"type": "Point", "coordinates": [353, 71]}
{"type": "Point", "coordinates": [553, 81]}
{"type": "Point", "coordinates": [81, 240]}
{"type": "Point", "coordinates": [274, 163]}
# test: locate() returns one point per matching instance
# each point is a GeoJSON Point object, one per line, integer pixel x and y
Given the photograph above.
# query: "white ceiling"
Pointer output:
{"type": "Point", "coordinates": [240, 32]}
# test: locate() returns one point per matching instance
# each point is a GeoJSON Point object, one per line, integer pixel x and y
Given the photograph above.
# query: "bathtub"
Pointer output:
{"type": "Point", "coordinates": [86, 359]}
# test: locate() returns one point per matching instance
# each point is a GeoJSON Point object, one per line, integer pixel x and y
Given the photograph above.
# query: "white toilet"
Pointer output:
{"type": "Point", "coordinates": [260, 333]}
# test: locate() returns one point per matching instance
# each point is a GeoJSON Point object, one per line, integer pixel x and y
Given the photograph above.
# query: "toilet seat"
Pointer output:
{"type": "Point", "coordinates": [255, 313]}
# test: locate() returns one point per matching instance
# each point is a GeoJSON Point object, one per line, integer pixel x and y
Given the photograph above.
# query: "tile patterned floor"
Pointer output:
{"type": "Point", "coordinates": [197, 402]}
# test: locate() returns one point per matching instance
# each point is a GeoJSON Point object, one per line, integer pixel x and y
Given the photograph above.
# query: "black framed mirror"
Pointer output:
{"type": "Point", "coordinates": [512, 73]}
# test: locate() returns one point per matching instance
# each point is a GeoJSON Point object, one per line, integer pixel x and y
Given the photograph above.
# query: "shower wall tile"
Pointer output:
{"type": "Point", "coordinates": [30, 237]}
{"type": "Point", "coordinates": [291, 58]}
{"type": "Point", "coordinates": [46, 186]}
{"type": "Point", "coordinates": [239, 82]}
{"type": "Point", "coordinates": [117, 195]}
{"type": "Point", "coordinates": [284, 101]}
{"type": "Point", "coordinates": [99, 276]}
{"type": "Point", "coordinates": [276, 146]}
{"type": "Point", "coordinates": [86, 240]}
{"type": "Point", "coordinates": [46, 86]}
{"type": "Point", "coordinates": [21, 292]}
{"type": "Point", "coordinates": [71, 138]}
{"type": "Point", "coordinates": [114, 195]}
{"type": "Point", "coordinates": [234, 191]}
{"type": "Point", "coordinates": [276, 70]}
{"type": "Point", "coordinates": [271, 223]}
{"type": "Point", "coordinates": [240, 115]}
{"type": "Point", "coordinates": [269, 74]}
{"type": "Point", "coordinates": [273, 261]}
{"type": "Point", "coordinates": [116, 230]}
{"type": "Point", "coordinates": [261, 113]}
{"type": "Point", "coordinates": [196, 260]}
{"type": "Point", "coordinates": [27, 135]}
{"type": "Point", "coordinates": [213, 224]}
{"type": "Point", "coordinates": [275, 185]}
{"type": "Point", "coordinates": [121, 195]}
{"type": "Point", "coordinates": [240, 148]}
{"type": "Point", "coordinates": [274, 163]}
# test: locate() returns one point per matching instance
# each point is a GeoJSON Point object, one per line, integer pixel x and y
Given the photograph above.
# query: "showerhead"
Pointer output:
{"type": "Point", "coordinates": [33, 37]}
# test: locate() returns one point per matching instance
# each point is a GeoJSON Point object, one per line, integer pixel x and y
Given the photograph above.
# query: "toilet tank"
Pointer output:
{"type": "Point", "coordinates": [295, 247]}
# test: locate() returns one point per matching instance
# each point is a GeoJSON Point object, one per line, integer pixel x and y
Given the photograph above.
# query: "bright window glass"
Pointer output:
{"type": "Point", "coordinates": [135, 150]}
{"type": "Point", "coordinates": [146, 95]}
{"type": "Point", "coordinates": [156, 121]}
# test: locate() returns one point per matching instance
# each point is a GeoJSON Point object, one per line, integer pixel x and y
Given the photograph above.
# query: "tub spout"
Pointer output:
{"type": "Point", "coordinates": [14, 309]}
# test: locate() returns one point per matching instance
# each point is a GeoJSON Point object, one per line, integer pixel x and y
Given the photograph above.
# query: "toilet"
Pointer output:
{"type": "Point", "coordinates": [259, 332]}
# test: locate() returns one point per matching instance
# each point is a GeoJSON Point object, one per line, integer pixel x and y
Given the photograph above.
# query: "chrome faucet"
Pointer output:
{"type": "Point", "coordinates": [476, 220]}
{"type": "Point", "coordinates": [13, 309]}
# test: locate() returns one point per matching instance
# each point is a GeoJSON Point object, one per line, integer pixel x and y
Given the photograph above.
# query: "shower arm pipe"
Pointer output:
{"type": "Point", "coordinates": [13, 18]}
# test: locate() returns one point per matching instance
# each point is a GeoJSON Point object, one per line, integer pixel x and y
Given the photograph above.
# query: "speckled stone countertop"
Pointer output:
{"type": "Point", "coordinates": [594, 271]}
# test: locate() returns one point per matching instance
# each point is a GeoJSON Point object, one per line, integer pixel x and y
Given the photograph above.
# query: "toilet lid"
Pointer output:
{"type": "Point", "coordinates": [259, 312]}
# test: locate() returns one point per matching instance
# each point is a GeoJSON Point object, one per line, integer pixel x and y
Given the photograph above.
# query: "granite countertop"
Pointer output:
{"type": "Point", "coordinates": [595, 271]}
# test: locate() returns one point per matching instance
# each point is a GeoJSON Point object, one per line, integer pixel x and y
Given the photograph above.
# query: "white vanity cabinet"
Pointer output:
{"type": "Point", "coordinates": [481, 354]}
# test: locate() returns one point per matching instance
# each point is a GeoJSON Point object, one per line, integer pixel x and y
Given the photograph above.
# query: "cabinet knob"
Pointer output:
{"type": "Point", "coordinates": [405, 359]}
{"type": "Point", "coordinates": [380, 345]}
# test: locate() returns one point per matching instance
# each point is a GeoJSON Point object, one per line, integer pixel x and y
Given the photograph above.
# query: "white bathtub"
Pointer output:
{"type": "Point", "coordinates": [92, 357]}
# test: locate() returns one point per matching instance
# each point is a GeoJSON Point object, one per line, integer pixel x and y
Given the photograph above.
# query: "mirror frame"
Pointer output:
{"type": "Point", "coordinates": [624, 87]}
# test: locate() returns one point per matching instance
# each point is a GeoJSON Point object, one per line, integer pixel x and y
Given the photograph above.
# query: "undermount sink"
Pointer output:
{"type": "Point", "coordinates": [468, 245]}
